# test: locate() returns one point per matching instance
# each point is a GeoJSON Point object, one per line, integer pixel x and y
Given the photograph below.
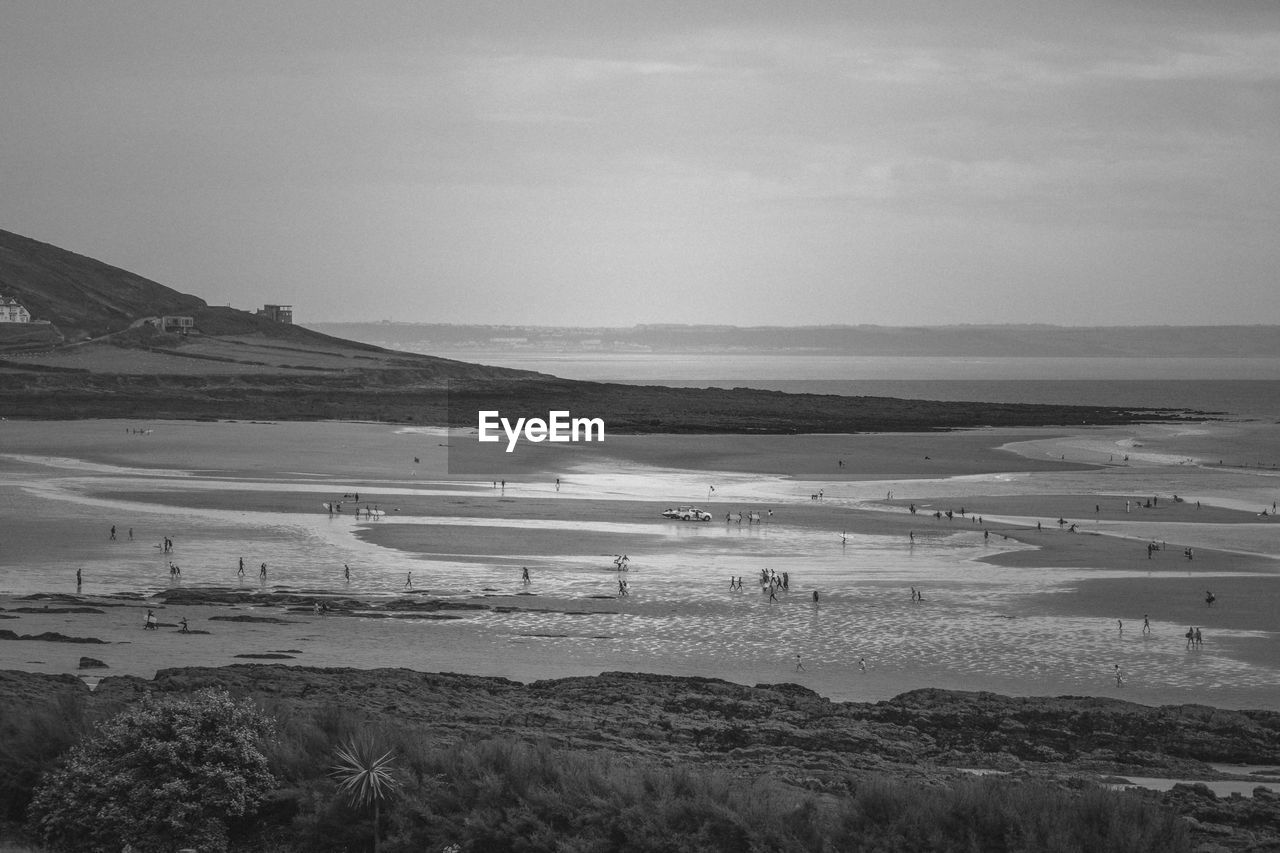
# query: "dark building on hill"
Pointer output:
{"type": "Point", "coordinates": [279, 313]}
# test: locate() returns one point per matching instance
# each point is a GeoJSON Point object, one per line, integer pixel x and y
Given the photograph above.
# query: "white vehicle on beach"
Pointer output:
{"type": "Point", "coordinates": [687, 513]}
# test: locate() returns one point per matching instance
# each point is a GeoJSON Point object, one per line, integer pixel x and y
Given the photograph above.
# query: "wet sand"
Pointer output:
{"type": "Point", "coordinates": [1018, 611]}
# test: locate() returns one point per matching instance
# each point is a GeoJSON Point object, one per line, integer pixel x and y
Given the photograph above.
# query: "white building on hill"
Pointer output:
{"type": "Point", "coordinates": [11, 311]}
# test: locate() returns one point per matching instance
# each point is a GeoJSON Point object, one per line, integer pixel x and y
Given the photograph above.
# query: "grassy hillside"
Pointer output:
{"type": "Point", "coordinates": [82, 297]}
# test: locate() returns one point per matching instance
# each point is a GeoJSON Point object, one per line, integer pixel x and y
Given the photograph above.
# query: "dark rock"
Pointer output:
{"type": "Point", "coordinates": [91, 663]}
{"type": "Point", "coordinates": [49, 637]}
{"type": "Point", "coordinates": [47, 609]}
{"type": "Point", "coordinates": [267, 620]}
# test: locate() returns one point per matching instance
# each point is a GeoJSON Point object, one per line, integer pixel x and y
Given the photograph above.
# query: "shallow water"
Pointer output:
{"type": "Point", "coordinates": [979, 626]}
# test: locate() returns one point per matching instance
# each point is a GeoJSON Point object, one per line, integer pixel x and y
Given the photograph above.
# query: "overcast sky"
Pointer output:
{"type": "Point", "coordinates": [595, 163]}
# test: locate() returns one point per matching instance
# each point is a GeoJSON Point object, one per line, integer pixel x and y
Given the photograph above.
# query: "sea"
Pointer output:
{"type": "Point", "coordinates": [1233, 387]}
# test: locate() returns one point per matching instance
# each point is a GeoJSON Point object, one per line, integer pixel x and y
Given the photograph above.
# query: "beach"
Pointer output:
{"type": "Point", "coordinates": [436, 555]}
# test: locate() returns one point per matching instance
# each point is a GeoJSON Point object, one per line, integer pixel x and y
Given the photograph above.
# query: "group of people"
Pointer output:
{"type": "Point", "coordinates": [772, 581]}
{"type": "Point", "coordinates": [751, 516]}
{"type": "Point", "coordinates": [1194, 636]}
{"type": "Point", "coordinates": [369, 510]}
{"type": "Point", "coordinates": [262, 571]}
{"type": "Point", "coordinates": [151, 623]}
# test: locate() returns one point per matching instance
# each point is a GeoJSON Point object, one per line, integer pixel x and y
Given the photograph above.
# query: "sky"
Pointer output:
{"type": "Point", "coordinates": [1103, 162]}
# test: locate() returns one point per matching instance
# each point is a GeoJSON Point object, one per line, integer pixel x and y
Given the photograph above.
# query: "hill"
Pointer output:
{"type": "Point", "coordinates": [81, 297]}
{"type": "Point", "coordinates": [98, 352]}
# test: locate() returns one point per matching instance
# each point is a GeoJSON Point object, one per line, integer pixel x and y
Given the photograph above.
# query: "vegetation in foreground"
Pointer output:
{"type": "Point", "coordinates": [214, 773]}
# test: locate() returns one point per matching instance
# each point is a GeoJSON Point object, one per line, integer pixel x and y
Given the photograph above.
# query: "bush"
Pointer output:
{"type": "Point", "coordinates": [168, 770]}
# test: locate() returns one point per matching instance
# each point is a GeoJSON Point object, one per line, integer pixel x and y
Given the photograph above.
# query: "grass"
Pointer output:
{"type": "Point", "coordinates": [503, 795]}
{"type": "Point", "coordinates": [506, 795]}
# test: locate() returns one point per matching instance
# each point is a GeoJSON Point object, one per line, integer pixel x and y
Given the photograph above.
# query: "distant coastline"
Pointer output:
{"type": "Point", "coordinates": [1006, 340]}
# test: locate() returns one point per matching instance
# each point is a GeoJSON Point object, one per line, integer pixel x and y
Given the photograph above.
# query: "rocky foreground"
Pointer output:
{"type": "Point", "coordinates": [786, 731]}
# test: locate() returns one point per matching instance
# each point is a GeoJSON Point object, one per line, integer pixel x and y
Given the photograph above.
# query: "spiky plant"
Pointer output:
{"type": "Point", "coordinates": [364, 776]}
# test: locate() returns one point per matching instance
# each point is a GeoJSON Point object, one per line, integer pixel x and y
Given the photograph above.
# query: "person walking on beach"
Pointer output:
{"type": "Point", "coordinates": [113, 533]}
{"type": "Point", "coordinates": [1146, 624]}
{"type": "Point", "coordinates": [1119, 676]}
{"type": "Point", "coordinates": [346, 572]}
{"type": "Point", "coordinates": [1199, 638]}
{"type": "Point", "coordinates": [262, 571]}
{"type": "Point", "coordinates": [862, 664]}
{"type": "Point", "coordinates": [408, 581]}
{"type": "Point", "coordinates": [130, 534]}
{"type": "Point", "coordinates": [815, 596]}
{"type": "Point", "coordinates": [1209, 598]}
{"type": "Point", "coordinates": [183, 629]}
{"type": "Point", "coordinates": [799, 665]}
{"type": "Point", "coordinates": [149, 624]}
{"type": "Point", "coordinates": [79, 580]}
{"type": "Point", "coordinates": [524, 574]}
{"type": "Point", "coordinates": [1191, 636]}
{"type": "Point", "coordinates": [1120, 626]}
{"type": "Point", "coordinates": [240, 571]}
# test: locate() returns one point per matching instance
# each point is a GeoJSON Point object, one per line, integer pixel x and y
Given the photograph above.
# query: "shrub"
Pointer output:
{"type": "Point", "coordinates": [167, 770]}
{"type": "Point", "coordinates": [506, 795]}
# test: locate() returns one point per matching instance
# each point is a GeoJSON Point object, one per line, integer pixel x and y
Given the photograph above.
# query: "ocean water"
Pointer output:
{"type": "Point", "coordinates": [1239, 387]}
